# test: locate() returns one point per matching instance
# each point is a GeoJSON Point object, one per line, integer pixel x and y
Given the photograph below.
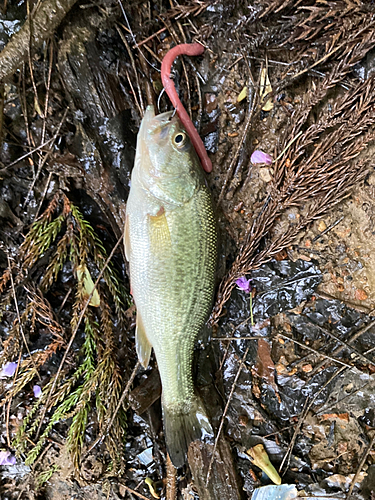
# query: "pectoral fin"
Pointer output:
{"type": "Point", "coordinates": [160, 237]}
{"type": "Point", "coordinates": [126, 238]}
{"type": "Point", "coordinates": [142, 344]}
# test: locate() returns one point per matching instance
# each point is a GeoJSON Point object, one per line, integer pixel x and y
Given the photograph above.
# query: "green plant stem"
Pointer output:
{"type": "Point", "coordinates": [251, 309]}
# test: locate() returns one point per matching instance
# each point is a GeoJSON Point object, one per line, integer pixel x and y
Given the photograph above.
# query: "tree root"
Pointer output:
{"type": "Point", "coordinates": [34, 32]}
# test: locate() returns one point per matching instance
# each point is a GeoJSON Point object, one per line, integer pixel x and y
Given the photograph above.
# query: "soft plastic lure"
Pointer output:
{"type": "Point", "coordinates": [189, 49]}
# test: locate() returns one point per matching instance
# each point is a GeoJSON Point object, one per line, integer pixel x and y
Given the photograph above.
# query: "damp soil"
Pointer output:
{"type": "Point", "coordinates": [292, 368]}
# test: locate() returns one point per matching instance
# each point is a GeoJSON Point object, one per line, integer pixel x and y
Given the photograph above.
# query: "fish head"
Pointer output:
{"type": "Point", "coordinates": [166, 162]}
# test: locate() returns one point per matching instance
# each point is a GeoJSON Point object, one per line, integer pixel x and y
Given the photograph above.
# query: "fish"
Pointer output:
{"type": "Point", "coordinates": [171, 244]}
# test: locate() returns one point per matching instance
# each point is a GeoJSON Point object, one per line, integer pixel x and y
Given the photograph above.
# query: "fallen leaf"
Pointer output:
{"type": "Point", "coordinates": [283, 255]}
{"type": "Point", "coordinates": [150, 483]}
{"type": "Point", "coordinates": [260, 458]}
{"type": "Point", "coordinates": [360, 294]}
{"type": "Point", "coordinates": [265, 368]}
{"type": "Point", "coordinates": [83, 274]}
{"type": "Point", "coordinates": [242, 95]}
{"type": "Point", "coordinates": [265, 88]}
{"type": "Point", "coordinates": [265, 174]}
{"type": "Point", "coordinates": [322, 226]}
{"type": "Point", "coordinates": [340, 416]}
{"type": "Point", "coordinates": [307, 368]}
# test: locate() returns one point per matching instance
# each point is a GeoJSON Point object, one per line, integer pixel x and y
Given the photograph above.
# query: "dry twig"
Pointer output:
{"type": "Point", "coordinates": [37, 28]}
{"type": "Point", "coordinates": [361, 464]}
{"type": "Point", "coordinates": [225, 413]}
{"type": "Point", "coordinates": [134, 492]}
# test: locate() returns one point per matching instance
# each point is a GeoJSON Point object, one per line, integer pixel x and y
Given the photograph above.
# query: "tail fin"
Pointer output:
{"type": "Point", "coordinates": [183, 427]}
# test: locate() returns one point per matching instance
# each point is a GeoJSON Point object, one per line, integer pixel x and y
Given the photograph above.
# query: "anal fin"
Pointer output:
{"type": "Point", "coordinates": [142, 344]}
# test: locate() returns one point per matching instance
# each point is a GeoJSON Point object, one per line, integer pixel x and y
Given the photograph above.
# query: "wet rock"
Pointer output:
{"type": "Point", "coordinates": [353, 391]}
{"type": "Point", "coordinates": [7, 214]}
{"type": "Point", "coordinates": [105, 139]}
{"type": "Point", "coordinates": [146, 393]}
{"type": "Point", "coordinates": [282, 492]}
{"type": "Point", "coordinates": [280, 286]}
{"type": "Point", "coordinates": [368, 485]}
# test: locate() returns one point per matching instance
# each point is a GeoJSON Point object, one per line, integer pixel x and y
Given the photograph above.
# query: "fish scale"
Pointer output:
{"type": "Point", "coordinates": [170, 242]}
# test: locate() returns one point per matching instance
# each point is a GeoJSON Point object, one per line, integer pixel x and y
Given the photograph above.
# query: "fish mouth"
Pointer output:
{"type": "Point", "coordinates": [152, 124]}
{"type": "Point", "coordinates": [152, 136]}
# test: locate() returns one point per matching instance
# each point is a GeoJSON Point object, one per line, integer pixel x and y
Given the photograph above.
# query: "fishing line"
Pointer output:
{"type": "Point", "coordinates": [158, 103]}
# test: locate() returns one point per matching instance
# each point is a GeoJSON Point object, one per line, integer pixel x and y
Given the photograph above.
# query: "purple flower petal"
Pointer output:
{"type": "Point", "coordinates": [8, 370]}
{"type": "Point", "coordinates": [37, 391]}
{"type": "Point", "coordinates": [6, 458]}
{"type": "Point", "coordinates": [260, 157]}
{"type": "Point", "coordinates": [244, 284]}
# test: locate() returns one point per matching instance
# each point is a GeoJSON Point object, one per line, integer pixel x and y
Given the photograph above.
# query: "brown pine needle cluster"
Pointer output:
{"type": "Point", "coordinates": [318, 166]}
{"type": "Point", "coordinates": [92, 379]}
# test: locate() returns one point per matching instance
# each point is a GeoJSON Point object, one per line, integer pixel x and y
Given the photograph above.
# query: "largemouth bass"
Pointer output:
{"type": "Point", "coordinates": [170, 243]}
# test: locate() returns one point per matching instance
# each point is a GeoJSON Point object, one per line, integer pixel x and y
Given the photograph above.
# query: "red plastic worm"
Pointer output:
{"type": "Point", "coordinates": [189, 49]}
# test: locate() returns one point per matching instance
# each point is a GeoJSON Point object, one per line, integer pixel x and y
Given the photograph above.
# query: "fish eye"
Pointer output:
{"type": "Point", "coordinates": [179, 140]}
